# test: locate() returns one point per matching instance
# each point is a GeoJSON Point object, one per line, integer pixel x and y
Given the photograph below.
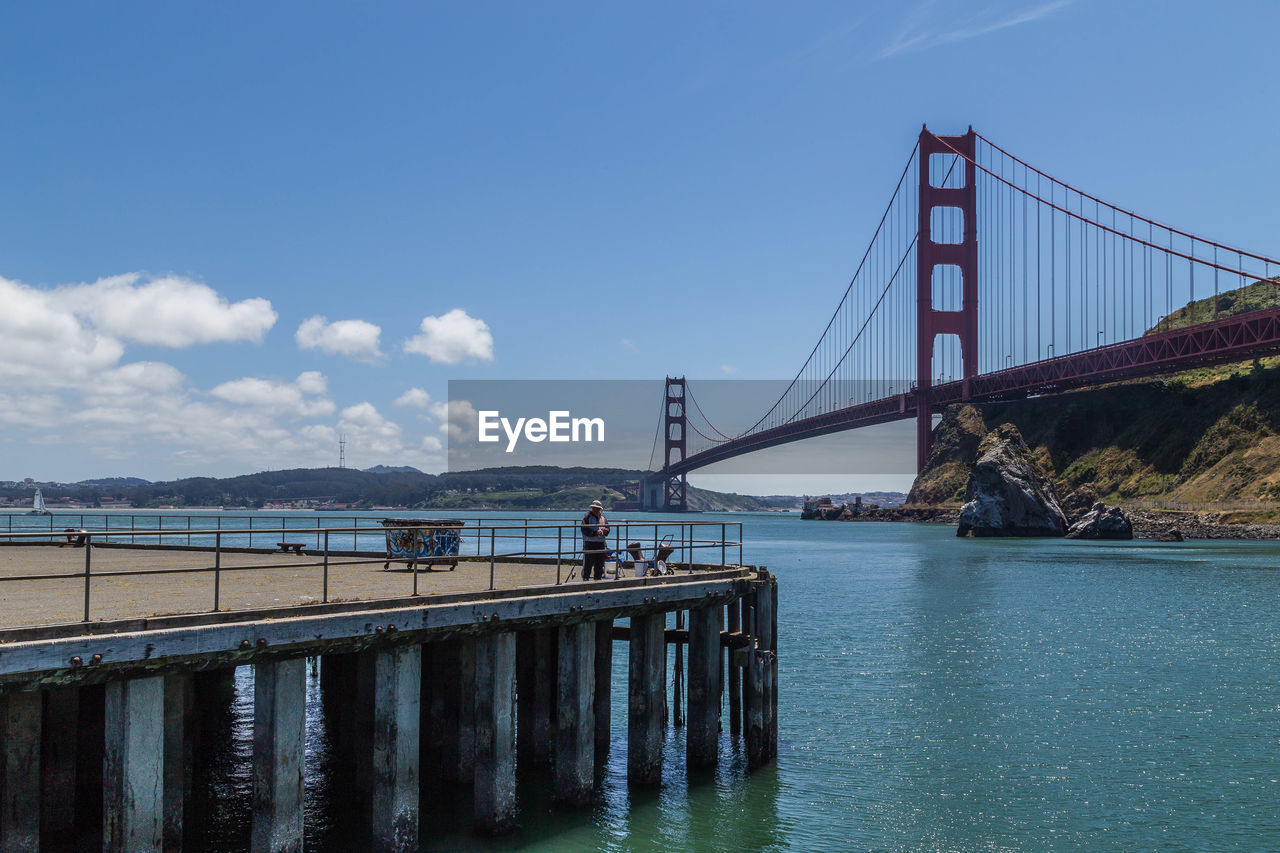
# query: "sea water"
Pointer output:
{"type": "Point", "coordinates": [935, 694]}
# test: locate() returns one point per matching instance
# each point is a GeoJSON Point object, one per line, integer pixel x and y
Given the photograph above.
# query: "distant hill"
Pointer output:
{"type": "Point", "coordinates": [114, 482]}
{"type": "Point", "coordinates": [392, 469]}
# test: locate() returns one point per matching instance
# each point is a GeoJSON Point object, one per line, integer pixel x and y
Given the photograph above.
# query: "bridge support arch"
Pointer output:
{"type": "Point", "coordinates": [936, 192]}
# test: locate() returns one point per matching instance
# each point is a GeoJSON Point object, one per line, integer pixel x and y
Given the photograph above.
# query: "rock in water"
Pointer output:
{"type": "Point", "coordinates": [1102, 523]}
{"type": "Point", "coordinates": [1008, 493]}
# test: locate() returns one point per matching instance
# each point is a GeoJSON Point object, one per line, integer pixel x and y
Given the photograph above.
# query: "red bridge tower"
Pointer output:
{"type": "Point", "coordinates": [931, 254]}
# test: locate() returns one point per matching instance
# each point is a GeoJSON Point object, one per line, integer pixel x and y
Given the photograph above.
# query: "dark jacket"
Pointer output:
{"type": "Point", "coordinates": [589, 525]}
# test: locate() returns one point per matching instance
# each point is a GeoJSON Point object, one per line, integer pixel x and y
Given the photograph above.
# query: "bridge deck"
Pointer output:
{"type": "Point", "coordinates": [248, 581]}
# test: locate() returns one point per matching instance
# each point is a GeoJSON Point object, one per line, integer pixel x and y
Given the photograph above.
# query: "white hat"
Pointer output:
{"type": "Point", "coordinates": [596, 505]}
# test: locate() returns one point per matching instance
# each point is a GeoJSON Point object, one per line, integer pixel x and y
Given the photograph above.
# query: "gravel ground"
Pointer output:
{"type": "Point", "coordinates": [247, 581]}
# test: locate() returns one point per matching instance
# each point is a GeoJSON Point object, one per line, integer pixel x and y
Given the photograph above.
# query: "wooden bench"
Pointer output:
{"type": "Point", "coordinates": [286, 547]}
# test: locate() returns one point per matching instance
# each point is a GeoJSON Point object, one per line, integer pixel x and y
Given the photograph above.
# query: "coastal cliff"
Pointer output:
{"type": "Point", "coordinates": [1198, 439]}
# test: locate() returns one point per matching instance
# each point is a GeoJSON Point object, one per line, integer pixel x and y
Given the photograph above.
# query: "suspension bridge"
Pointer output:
{"type": "Point", "coordinates": [990, 279]}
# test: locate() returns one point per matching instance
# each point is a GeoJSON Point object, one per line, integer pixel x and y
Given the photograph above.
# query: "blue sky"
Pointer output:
{"type": "Point", "coordinates": [559, 190]}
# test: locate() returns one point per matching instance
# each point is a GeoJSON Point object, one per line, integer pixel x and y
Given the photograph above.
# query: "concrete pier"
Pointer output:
{"type": "Point", "coordinates": [575, 721]}
{"type": "Point", "coordinates": [133, 767]}
{"type": "Point", "coordinates": [279, 736]}
{"type": "Point", "coordinates": [495, 733]}
{"type": "Point", "coordinates": [102, 723]}
{"type": "Point", "coordinates": [646, 682]}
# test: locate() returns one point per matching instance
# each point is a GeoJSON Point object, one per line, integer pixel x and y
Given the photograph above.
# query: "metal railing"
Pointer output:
{"type": "Point", "coordinates": [526, 542]}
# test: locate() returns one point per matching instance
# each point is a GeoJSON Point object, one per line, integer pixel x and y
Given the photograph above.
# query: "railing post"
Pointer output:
{"type": "Point", "coordinates": [325, 592]}
{"type": "Point", "coordinates": [188, 531]}
{"type": "Point", "coordinates": [559, 546]}
{"type": "Point", "coordinates": [723, 534]}
{"type": "Point", "coordinates": [251, 531]}
{"type": "Point", "coordinates": [491, 550]}
{"type": "Point", "coordinates": [217, 569]}
{"type": "Point", "coordinates": [525, 551]}
{"type": "Point", "coordinates": [739, 543]}
{"type": "Point", "coordinates": [88, 549]}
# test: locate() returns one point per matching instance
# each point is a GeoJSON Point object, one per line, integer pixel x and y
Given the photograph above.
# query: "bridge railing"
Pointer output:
{"type": "Point", "coordinates": [508, 553]}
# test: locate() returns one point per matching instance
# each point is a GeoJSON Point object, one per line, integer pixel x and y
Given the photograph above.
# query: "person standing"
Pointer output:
{"type": "Point", "coordinates": [595, 542]}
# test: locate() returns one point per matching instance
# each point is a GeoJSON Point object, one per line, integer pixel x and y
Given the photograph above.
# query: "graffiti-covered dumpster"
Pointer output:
{"type": "Point", "coordinates": [423, 540]}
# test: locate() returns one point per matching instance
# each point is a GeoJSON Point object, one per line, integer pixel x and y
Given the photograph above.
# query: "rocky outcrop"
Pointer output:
{"type": "Point", "coordinates": [955, 448]}
{"type": "Point", "coordinates": [1008, 493]}
{"type": "Point", "coordinates": [1102, 522]}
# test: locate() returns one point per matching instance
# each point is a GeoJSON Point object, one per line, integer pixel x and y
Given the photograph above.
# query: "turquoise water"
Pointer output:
{"type": "Point", "coordinates": [941, 694]}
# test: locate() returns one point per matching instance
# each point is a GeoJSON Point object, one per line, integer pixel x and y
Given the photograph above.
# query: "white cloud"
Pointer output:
{"type": "Point", "coordinates": [452, 337]}
{"type": "Point", "coordinates": [369, 432]}
{"type": "Point", "coordinates": [355, 339]}
{"type": "Point", "coordinates": [65, 384]}
{"type": "Point", "coordinates": [312, 382]}
{"type": "Point", "coordinates": [43, 342]}
{"type": "Point", "coordinates": [458, 419]}
{"type": "Point", "coordinates": [299, 397]}
{"type": "Point", "coordinates": [414, 398]}
{"type": "Point", "coordinates": [171, 311]}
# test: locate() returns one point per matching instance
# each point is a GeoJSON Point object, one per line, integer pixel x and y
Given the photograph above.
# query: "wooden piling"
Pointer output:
{"type": "Point", "coordinates": [495, 733]}
{"type": "Point", "coordinates": [452, 704]}
{"type": "Point", "coordinates": [20, 735]}
{"type": "Point", "coordinates": [179, 753]}
{"type": "Point", "coordinates": [753, 704]}
{"type": "Point", "coordinates": [604, 685]}
{"type": "Point", "coordinates": [90, 752]}
{"type": "Point", "coordinates": [734, 619]}
{"type": "Point", "coordinates": [396, 720]}
{"type": "Point", "coordinates": [677, 682]}
{"type": "Point", "coordinates": [279, 732]}
{"type": "Point", "coordinates": [575, 721]}
{"type": "Point", "coordinates": [647, 694]}
{"type": "Point", "coordinates": [133, 765]}
{"type": "Point", "coordinates": [536, 695]}
{"type": "Point", "coordinates": [466, 746]}
{"type": "Point", "coordinates": [702, 732]}
{"type": "Point", "coordinates": [58, 759]}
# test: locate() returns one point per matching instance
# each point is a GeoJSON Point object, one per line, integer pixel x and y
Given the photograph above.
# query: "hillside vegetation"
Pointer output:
{"type": "Point", "coordinates": [1198, 439]}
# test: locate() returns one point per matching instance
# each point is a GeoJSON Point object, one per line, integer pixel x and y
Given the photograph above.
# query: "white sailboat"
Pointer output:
{"type": "Point", "coordinates": [37, 505]}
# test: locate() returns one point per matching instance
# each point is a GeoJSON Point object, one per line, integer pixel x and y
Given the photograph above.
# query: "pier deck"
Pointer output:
{"type": "Point", "coordinates": [248, 581]}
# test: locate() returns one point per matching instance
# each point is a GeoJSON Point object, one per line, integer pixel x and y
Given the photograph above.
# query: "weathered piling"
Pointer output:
{"type": "Point", "coordinates": [21, 722]}
{"type": "Point", "coordinates": [495, 733]}
{"type": "Point", "coordinates": [180, 725]}
{"type": "Point", "coordinates": [396, 720]}
{"type": "Point", "coordinates": [604, 679]}
{"type": "Point", "coordinates": [702, 731]}
{"type": "Point", "coordinates": [58, 759]}
{"type": "Point", "coordinates": [575, 720]}
{"type": "Point", "coordinates": [133, 767]}
{"type": "Point", "coordinates": [733, 620]}
{"type": "Point", "coordinates": [279, 735]}
{"type": "Point", "coordinates": [646, 692]}
{"type": "Point", "coordinates": [536, 685]}
{"type": "Point", "coordinates": [761, 674]}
